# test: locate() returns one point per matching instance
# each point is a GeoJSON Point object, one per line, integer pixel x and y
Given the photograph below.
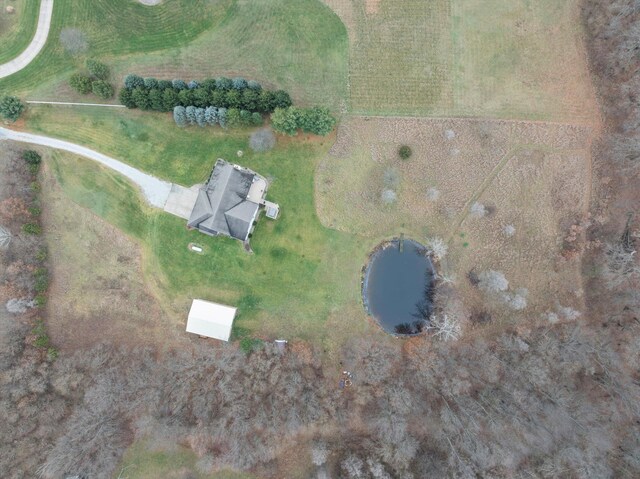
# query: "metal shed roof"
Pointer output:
{"type": "Point", "coordinates": [211, 319]}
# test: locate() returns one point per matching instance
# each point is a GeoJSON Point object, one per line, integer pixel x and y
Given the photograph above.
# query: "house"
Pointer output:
{"type": "Point", "coordinates": [209, 319]}
{"type": "Point", "coordinates": [229, 203]}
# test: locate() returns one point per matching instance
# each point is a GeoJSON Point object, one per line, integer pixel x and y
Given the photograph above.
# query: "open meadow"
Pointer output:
{"type": "Point", "coordinates": [478, 58]}
{"type": "Point", "coordinates": [466, 182]}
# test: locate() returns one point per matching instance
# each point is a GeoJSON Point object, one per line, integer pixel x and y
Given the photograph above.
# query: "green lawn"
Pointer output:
{"type": "Point", "coordinates": [300, 272]}
{"type": "Point", "coordinates": [112, 28]}
{"type": "Point", "coordinates": [17, 29]}
{"type": "Point", "coordinates": [299, 46]}
{"type": "Point", "coordinates": [143, 462]}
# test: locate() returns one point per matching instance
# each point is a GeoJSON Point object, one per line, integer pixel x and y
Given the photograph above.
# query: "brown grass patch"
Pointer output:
{"type": "Point", "coordinates": [97, 292]}
{"type": "Point", "coordinates": [534, 176]}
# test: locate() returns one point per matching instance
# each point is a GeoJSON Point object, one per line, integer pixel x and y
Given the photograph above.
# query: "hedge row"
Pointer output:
{"type": "Point", "coordinates": [316, 120]}
{"type": "Point", "coordinates": [211, 116]}
{"type": "Point", "coordinates": [164, 95]}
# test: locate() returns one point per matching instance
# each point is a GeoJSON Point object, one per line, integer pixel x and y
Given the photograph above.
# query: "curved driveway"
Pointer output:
{"type": "Point", "coordinates": [156, 191]}
{"type": "Point", "coordinates": [36, 45]}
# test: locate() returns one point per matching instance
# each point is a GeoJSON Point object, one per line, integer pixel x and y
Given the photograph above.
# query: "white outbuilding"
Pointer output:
{"type": "Point", "coordinates": [209, 319]}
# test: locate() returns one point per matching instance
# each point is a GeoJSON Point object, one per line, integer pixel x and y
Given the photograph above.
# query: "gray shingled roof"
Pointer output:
{"type": "Point", "coordinates": [221, 206]}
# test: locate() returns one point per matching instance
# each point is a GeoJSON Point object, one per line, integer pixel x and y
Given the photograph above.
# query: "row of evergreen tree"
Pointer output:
{"type": "Point", "coordinates": [211, 116]}
{"type": "Point", "coordinates": [237, 93]}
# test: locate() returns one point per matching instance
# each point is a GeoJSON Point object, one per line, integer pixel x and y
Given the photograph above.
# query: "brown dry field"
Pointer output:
{"type": "Point", "coordinates": [467, 58]}
{"type": "Point", "coordinates": [534, 176]}
{"type": "Point", "coordinates": [98, 292]}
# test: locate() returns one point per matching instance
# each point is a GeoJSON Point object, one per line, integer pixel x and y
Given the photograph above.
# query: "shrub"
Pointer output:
{"type": "Point", "coordinates": [31, 157]}
{"type": "Point", "coordinates": [179, 84]}
{"type": "Point", "coordinates": [250, 100]}
{"type": "Point", "coordinates": [31, 229]}
{"type": "Point", "coordinates": [34, 210]}
{"type": "Point", "coordinates": [73, 41]}
{"type": "Point", "coordinates": [180, 116]}
{"type": "Point", "coordinates": [266, 101]}
{"type": "Point", "coordinates": [164, 84]}
{"type": "Point", "coordinates": [234, 99]}
{"type": "Point", "coordinates": [156, 100]}
{"type": "Point", "coordinates": [211, 115]}
{"type": "Point", "coordinates": [223, 83]}
{"type": "Point", "coordinates": [192, 85]}
{"type": "Point", "coordinates": [41, 280]}
{"type": "Point", "coordinates": [254, 85]}
{"type": "Point", "coordinates": [281, 99]}
{"type": "Point", "coordinates": [233, 118]}
{"type": "Point", "coordinates": [11, 108]}
{"type": "Point", "coordinates": [200, 97]}
{"type": "Point", "coordinates": [262, 140]}
{"type": "Point", "coordinates": [285, 120]}
{"type": "Point", "coordinates": [239, 83]}
{"type": "Point", "coordinates": [191, 114]}
{"type": "Point", "coordinates": [140, 97]}
{"type": "Point", "coordinates": [150, 83]}
{"type": "Point", "coordinates": [245, 118]}
{"type": "Point", "coordinates": [492, 281]}
{"type": "Point", "coordinates": [391, 178]}
{"type": "Point", "coordinates": [41, 255]}
{"type": "Point", "coordinates": [509, 230]}
{"type": "Point", "coordinates": [437, 248]}
{"type": "Point", "coordinates": [200, 118]}
{"type": "Point", "coordinates": [186, 97]}
{"type": "Point", "coordinates": [80, 83]}
{"type": "Point", "coordinates": [478, 210]}
{"type": "Point", "coordinates": [52, 354]}
{"type": "Point", "coordinates": [404, 152]}
{"type": "Point", "coordinates": [222, 117]}
{"type": "Point", "coordinates": [433, 194]}
{"type": "Point", "coordinates": [170, 99]}
{"type": "Point", "coordinates": [102, 89]}
{"type": "Point", "coordinates": [40, 300]}
{"type": "Point", "coordinates": [388, 196]}
{"type": "Point", "coordinates": [126, 98]}
{"type": "Point", "coordinates": [98, 69]}
{"type": "Point", "coordinates": [133, 81]}
{"type": "Point", "coordinates": [317, 120]}
{"type": "Point", "coordinates": [218, 98]}
{"type": "Point", "coordinates": [256, 119]}
{"type": "Point", "coordinates": [209, 84]}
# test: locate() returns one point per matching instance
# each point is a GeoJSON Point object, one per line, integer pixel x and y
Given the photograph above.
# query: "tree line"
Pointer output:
{"type": "Point", "coordinates": [165, 95]}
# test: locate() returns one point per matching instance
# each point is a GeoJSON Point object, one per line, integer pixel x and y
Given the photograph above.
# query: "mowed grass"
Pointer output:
{"type": "Point", "coordinates": [481, 58]}
{"type": "Point", "coordinates": [299, 46]}
{"type": "Point", "coordinates": [112, 28]}
{"type": "Point", "coordinates": [17, 29]}
{"type": "Point", "coordinates": [300, 272]}
{"type": "Point", "coordinates": [144, 462]}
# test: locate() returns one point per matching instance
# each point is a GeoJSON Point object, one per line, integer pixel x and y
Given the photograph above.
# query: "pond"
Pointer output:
{"type": "Point", "coordinates": [398, 287]}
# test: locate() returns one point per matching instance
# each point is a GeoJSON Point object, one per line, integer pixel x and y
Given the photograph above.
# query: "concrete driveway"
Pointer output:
{"type": "Point", "coordinates": [155, 190]}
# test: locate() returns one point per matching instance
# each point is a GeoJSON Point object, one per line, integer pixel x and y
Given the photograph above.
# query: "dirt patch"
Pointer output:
{"type": "Point", "coordinates": [465, 183]}
{"type": "Point", "coordinates": [98, 292]}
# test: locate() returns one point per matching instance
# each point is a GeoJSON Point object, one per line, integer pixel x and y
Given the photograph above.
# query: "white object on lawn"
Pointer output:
{"type": "Point", "coordinates": [209, 319]}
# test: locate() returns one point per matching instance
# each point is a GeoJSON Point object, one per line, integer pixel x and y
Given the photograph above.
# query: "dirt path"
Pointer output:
{"type": "Point", "coordinates": [155, 191]}
{"type": "Point", "coordinates": [36, 45]}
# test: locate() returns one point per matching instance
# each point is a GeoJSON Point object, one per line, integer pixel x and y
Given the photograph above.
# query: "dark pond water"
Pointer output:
{"type": "Point", "coordinates": [398, 287]}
